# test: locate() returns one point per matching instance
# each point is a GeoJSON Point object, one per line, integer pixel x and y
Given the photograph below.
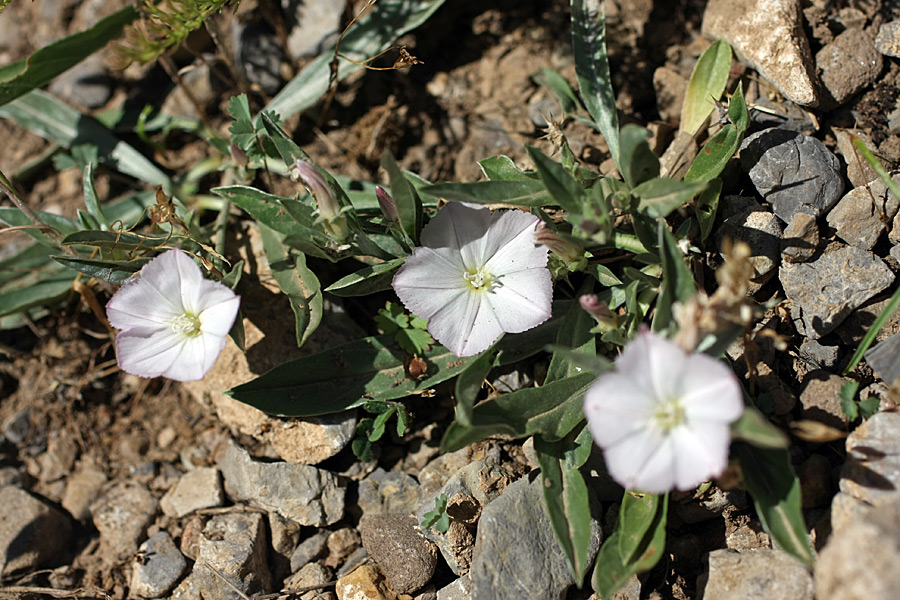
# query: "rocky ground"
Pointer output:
{"type": "Point", "coordinates": [113, 487]}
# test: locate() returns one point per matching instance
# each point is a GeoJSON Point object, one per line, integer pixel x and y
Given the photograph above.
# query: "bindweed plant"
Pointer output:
{"type": "Point", "coordinates": [483, 272]}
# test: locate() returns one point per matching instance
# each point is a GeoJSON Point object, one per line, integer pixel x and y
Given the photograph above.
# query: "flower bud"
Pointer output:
{"type": "Point", "coordinates": [328, 205]}
{"type": "Point", "coordinates": [388, 208]}
{"type": "Point", "coordinates": [571, 253]}
{"type": "Point", "coordinates": [598, 309]}
{"type": "Point", "coordinates": [239, 157]}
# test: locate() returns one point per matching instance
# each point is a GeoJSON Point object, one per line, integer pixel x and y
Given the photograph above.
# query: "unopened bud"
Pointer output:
{"type": "Point", "coordinates": [571, 253]}
{"type": "Point", "coordinates": [239, 157]}
{"type": "Point", "coordinates": [329, 208]}
{"type": "Point", "coordinates": [388, 208]}
{"type": "Point", "coordinates": [598, 309]}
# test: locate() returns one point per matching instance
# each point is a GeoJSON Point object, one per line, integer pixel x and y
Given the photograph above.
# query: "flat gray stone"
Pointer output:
{"type": "Point", "coordinates": [122, 515]}
{"type": "Point", "coordinates": [884, 358]}
{"type": "Point", "coordinates": [516, 553]}
{"type": "Point", "coordinates": [820, 399]}
{"type": "Point", "coordinates": [460, 589]}
{"type": "Point", "coordinates": [32, 532]}
{"type": "Point", "coordinates": [761, 230]}
{"type": "Point", "coordinates": [792, 171]}
{"type": "Point", "coordinates": [383, 492]}
{"type": "Point", "coordinates": [872, 469]}
{"type": "Point", "coordinates": [768, 35]}
{"type": "Point", "coordinates": [234, 546]}
{"type": "Point", "coordinates": [406, 556]}
{"type": "Point", "coordinates": [862, 558]}
{"type": "Point", "coordinates": [157, 568]}
{"type": "Point", "coordinates": [314, 25]}
{"type": "Point", "coordinates": [82, 488]}
{"type": "Point", "coordinates": [312, 548]}
{"type": "Point", "coordinates": [760, 574]}
{"type": "Point", "coordinates": [847, 65]}
{"type": "Point", "coordinates": [888, 39]}
{"type": "Point", "coordinates": [197, 489]}
{"type": "Point", "coordinates": [259, 54]}
{"type": "Point", "coordinates": [825, 291]}
{"type": "Point", "coordinates": [864, 214]}
{"type": "Point", "coordinates": [301, 493]}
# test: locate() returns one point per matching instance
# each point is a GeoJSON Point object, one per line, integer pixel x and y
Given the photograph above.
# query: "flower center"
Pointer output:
{"type": "Point", "coordinates": [479, 280]}
{"type": "Point", "coordinates": [186, 324]}
{"type": "Point", "coordinates": [669, 414]}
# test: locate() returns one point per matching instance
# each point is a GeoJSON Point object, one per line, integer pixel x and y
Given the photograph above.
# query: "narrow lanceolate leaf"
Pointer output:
{"type": "Point", "coordinates": [752, 427]}
{"type": "Point", "coordinates": [90, 197]}
{"type": "Point", "coordinates": [409, 206]}
{"type": "Point", "coordinates": [13, 217]}
{"type": "Point", "coordinates": [592, 69]}
{"type": "Point", "coordinates": [678, 281]}
{"type": "Point", "coordinates": [49, 289]}
{"type": "Point", "coordinates": [368, 280]}
{"type": "Point", "coordinates": [659, 197]}
{"type": "Point", "coordinates": [30, 73]}
{"type": "Point", "coordinates": [576, 338]}
{"type": "Point", "coordinates": [117, 273]}
{"type": "Point", "coordinates": [636, 544]}
{"type": "Point", "coordinates": [638, 163]}
{"type": "Point", "coordinates": [387, 21]}
{"type": "Point", "coordinates": [110, 241]}
{"type": "Point", "coordinates": [719, 149]}
{"type": "Point", "coordinates": [296, 280]}
{"type": "Point", "coordinates": [32, 259]}
{"type": "Point", "coordinates": [469, 384]}
{"type": "Point", "coordinates": [502, 168]}
{"type": "Point", "coordinates": [776, 495]}
{"type": "Point", "coordinates": [530, 193]}
{"type": "Point", "coordinates": [44, 115]}
{"type": "Point", "coordinates": [552, 410]}
{"type": "Point", "coordinates": [567, 497]}
{"type": "Point", "coordinates": [565, 190]}
{"type": "Point", "coordinates": [706, 85]}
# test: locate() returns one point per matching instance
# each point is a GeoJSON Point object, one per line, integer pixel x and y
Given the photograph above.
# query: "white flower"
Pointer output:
{"type": "Point", "coordinates": [662, 417]}
{"type": "Point", "coordinates": [173, 321]}
{"type": "Point", "coordinates": [478, 274]}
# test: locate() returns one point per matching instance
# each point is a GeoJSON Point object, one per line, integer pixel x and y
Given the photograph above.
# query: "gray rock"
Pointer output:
{"type": "Point", "coordinates": [820, 399]}
{"type": "Point", "coordinates": [301, 493]}
{"type": "Point", "coordinates": [468, 491]}
{"type": "Point", "coordinates": [863, 214]}
{"type": "Point", "coordinates": [848, 64]}
{"type": "Point", "coordinates": [670, 86]}
{"type": "Point", "coordinates": [711, 505]}
{"type": "Point", "coordinates": [205, 86]}
{"type": "Point", "coordinates": [17, 428]}
{"type": "Point", "coordinates": [516, 554]}
{"type": "Point", "coordinates": [792, 171]}
{"type": "Point", "coordinates": [888, 39]}
{"type": "Point", "coordinates": [157, 568]}
{"type": "Point", "coordinates": [82, 489]}
{"type": "Point", "coordinates": [385, 492]}
{"type": "Point", "coordinates": [862, 558]}
{"type": "Point", "coordinates": [233, 547]}
{"type": "Point", "coordinates": [760, 230]}
{"type": "Point", "coordinates": [284, 537]}
{"type": "Point", "coordinates": [884, 358]}
{"type": "Point", "coordinates": [57, 461]}
{"type": "Point", "coordinates": [800, 238]}
{"type": "Point", "coordinates": [32, 532]}
{"type": "Point", "coordinates": [310, 549]}
{"type": "Point", "coordinates": [314, 25]}
{"type": "Point", "coordinates": [756, 575]}
{"type": "Point", "coordinates": [824, 357]}
{"type": "Point", "coordinates": [461, 589]}
{"type": "Point", "coordinates": [341, 544]}
{"type": "Point", "coordinates": [10, 476]}
{"type": "Point", "coordinates": [197, 489]}
{"type": "Point", "coordinates": [845, 507]}
{"type": "Point", "coordinates": [438, 472]}
{"type": "Point", "coordinates": [122, 515]}
{"type": "Point", "coordinates": [872, 469]}
{"type": "Point", "coordinates": [397, 544]}
{"type": "Point", "coordinates": [768, 35]}
{"type": "Point", "coordinates": [87, 84]}
{"type": "Point", "coordinates": [823, 292]}
{"type": "Point", "coordinates": [259, 55]}
{"type": "Point", "coordinates": [859, 172]}
{"type": "Point", "coordinates": [313, 574]}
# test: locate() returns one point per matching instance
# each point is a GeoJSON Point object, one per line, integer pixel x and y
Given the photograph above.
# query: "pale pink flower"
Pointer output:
{"type": "Point", "coordinates": [173, 322]}
{"type": "Point", "coordinates": [663, 416]}
{"type": "Point", "coordinates": [477, 275]}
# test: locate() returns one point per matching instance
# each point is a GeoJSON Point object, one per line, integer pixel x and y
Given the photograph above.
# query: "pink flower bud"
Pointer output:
{"type": "Point", "coordinates": [597, 308]}
{"type": "Point", "coordinates": [238, 156]}
{"type": "Point", "coordinates": [571, 253]}
{"type": "Point", "coordinates": [315, 182]}
{"type": "Point", "coordinates": [388, 208]}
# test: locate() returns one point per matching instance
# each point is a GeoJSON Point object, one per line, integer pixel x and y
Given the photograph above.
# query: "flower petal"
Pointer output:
{"type": "Point", "coordinates": [641, 461]}
{"type": "Point", "coordinates": [511, 246]}
{"type": "Point", "coordinates": [616, 409]}
{"type": "Point", "coordinates": [197, 357]}
{"type": "Point", "coordinates": [218, 317]}
{"type": "Point", "coordinates": [521, 300]}
{"type": "Point", "coordinates": [428, 279]}
{"type": "Point", "coordinates": [148, 352]}
{"type": "Point", "coordinates": [699, 458]}
{"type": "Point", "coordinates": [465, 324]}
{"type": "Point", "coordinates": [463, 228]}
{"type": "Point", "coordinates": [710, 390]}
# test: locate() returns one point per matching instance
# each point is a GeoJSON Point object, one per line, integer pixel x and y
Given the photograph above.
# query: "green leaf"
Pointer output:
{"type": "Point", "coordinates": [719, 149]}
{"type": "Point", "coordinates": [13, 217]}
{"type": "Point", "coordinates": [368, 280]}
{"type": "Point", "coordinates": [752, 427]}
{"type": "Point", "coordinates": [296, 280]}
{"type": "Point", "coordinates": [38, 69]}
{"type": "Point", "coordinates": [678, 281]}
{"type": "Point", "coordinates": [437, 518]}
{"type": "Point", "coordinates": [567, 192]}
{"type": "Point", "coordinates": [776, 495]}
{"type": "Point", "coordinates": [33, 258]}
{"type": "Point", "coordinates": [409, 206]}
{"type": "Point", "coordinates": [557, 84]}
{"type": "Point", "coordinates": [49, 118]}
{"type": "Point", "coordinates": [566, 496]}
{"type": "Point", "coordinates": [117, 273]}
{"type": "Point", "coordinates": [639, 164]}
{"type": "Point", "coordinates": [502, 168]}
{"type": "Point", "coordinates": [552, 410]}
{"type": "Point", "coordinates": [706, 85]}
{"type": "Point", "coordinates": [636, 544]}
{"type": "Point", "coordinates": [659, 197]}
{"type": "Point", "coordinates": [592, 69]}
{"type": "Point", "coordinates": [530, 193]}
{"type": "Point", "coordinates": [576, 337]}
{"type": "Point", "coordinates": [707, 205]}
{"type": "Point", "coordinates": [469, 384]}
{"type": "Point", "coordinates": [849, 406]}
{"type": "Point", "coordinates": [51, 288]}
{"type": "Point", "coordinates": [116, 240]}
{"type": "Point", "coordinates": [90, 197]}
{"type": "Point", "coordinates": [388, 21]}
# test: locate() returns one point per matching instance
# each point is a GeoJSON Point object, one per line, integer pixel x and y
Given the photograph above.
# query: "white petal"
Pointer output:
{"type": "Point", "coordinates": [430, 279]}
{"type": "Point", "coordinates": [615, 409]}
{"type": "Point", "coordinates": [218, 318]}
{"type": "Point", "coordinates": [697, 458]}
{"type": "Point", "coordinates": [511, 246]}
{"type": "Point", "coordinates": [198, 355]}
{"type": "Point", "coordinates": [641, 461]}
{"type": "Point", "coordinates": [148, 352]}
{"type": "Point", "coordinates": [465, 324]}
{"type": "Point", "coordinates": [658, 475]}
{"type": "Point", "coordinates": [139, 304]}
{"type": "Point", "coordinates": [710, 390]}
{"type": "Point", "coordinates": [461, 227]}
{"type": "Point", "coordinates": [522, 300]}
